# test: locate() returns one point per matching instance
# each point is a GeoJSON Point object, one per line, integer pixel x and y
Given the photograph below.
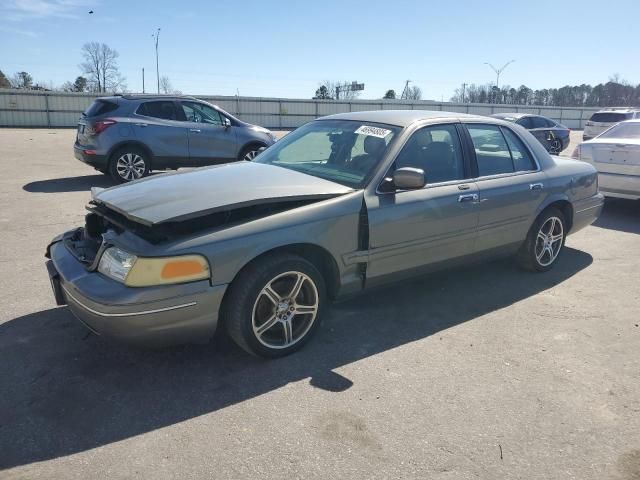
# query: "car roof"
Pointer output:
{"type": "Point", "coordinates": [400, 118]}
{"type": "Point", "coordinates": [143, 96]}
{"type": "Point", "coordinates": [513, 115]}
{"type": "Point", "coordinates": [619, 109]}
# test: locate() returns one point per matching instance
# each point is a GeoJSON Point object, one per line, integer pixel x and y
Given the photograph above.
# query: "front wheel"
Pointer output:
{"type": "Point", "coordinates": [274, 306]}
{"type": "Point", "coordinates": [249, 153]}
{"type": "Point", "coordinates": [129, 164]}
{"type": "Point", "coordinates": [544, 242]}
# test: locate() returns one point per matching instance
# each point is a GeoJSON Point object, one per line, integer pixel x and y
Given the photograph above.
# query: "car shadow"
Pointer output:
{"type": "Point", "coordinates": [67, 391]}
{"type": "Point", "coordinates": [69, 184]}
{"type": "Point", "coordinates": [73, 184]}
{"type": "Point", "coordinates": [620, 214]}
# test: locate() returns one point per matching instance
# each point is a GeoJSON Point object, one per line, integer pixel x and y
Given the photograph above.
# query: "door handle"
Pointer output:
{"type": "Point", "coordinates": [141, 124]}
{"type": "Point", "coordinates": [470, 197]}
{"type": "Point", "coordinates": [464, 186]}
{"type": "Point", "coordinates": [195, 130]}
{"type": "Point", "coordinates": [536, 186]}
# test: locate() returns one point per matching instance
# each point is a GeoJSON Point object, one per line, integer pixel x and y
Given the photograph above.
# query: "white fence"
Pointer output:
{"type": "Point", "coordinates": [19, 108]}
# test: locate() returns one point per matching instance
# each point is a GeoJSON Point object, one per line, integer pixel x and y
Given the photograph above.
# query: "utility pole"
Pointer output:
{"type": "Point", "coordinates": [499, 70]}
{"type": "Point", "coordinates": [157, 37]}
{"type": "Point", "coordinates": [405, 91]}
{"type": "Point", "coordinates": [143, 80]}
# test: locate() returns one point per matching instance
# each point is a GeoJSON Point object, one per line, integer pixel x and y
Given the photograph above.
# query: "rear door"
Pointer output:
{"type": "Point", "coordinates": [541, 129]}
{"type": "Point", "coordinates": [411, 229]}
{"type": "Point", "coordinates": [210, 140]}
{"type": "Point", "coordinates": [510, 185]}
{"type": "Point", "coordinates": [157, 124]}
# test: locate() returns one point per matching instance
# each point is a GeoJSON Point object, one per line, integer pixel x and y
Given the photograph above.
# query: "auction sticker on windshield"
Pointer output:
{"type": "Point", "coordinates": [373, 131]}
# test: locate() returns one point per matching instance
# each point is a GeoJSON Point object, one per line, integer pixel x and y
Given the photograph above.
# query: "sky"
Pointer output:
{"type": "Point", "coordinates": [287, 48]}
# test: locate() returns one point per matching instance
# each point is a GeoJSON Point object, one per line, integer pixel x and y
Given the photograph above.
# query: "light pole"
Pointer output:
{"type": "Point", "coordinates": [157, 36]}
{"type": "Point", "coordinates": [499, 70]}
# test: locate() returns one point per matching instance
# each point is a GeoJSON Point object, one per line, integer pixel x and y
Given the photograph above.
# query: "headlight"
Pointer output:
{"type": "Point", "coordinates": [136, 271]}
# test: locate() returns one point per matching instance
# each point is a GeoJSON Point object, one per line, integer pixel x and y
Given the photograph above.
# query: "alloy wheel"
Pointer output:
{"type": "Point", "coordinates": [250, 155]}
{"type": "Point", "coordinates": [285, 310]}
{"type": "Point", "coordinates": [549, 241]}
{"type": "Point", "coordinates": [130, 166]}
{"type": "Point", "coordinates": [556, 146]}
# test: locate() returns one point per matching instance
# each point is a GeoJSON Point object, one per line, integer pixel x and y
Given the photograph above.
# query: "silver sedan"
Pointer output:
{"type": "Point", "coordinates": [341, 205]}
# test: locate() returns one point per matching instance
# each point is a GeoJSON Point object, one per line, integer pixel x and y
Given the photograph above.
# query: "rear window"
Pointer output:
{"type": "Point", "coordinates": [610, 117]}
{"type": "Point", "coordinates": [100, 107]}
{"type": "Point", "coordinates": [624, 130]}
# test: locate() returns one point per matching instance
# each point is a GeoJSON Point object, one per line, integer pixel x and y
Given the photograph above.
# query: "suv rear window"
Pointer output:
{"type": "Point", "coordinates": [100, 107]}
{"type": "Point", "coordinates": [610, 117]}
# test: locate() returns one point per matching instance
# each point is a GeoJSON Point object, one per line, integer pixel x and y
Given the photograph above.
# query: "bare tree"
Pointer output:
{"type": "Point", "coordinates": [413, 93]}
{"type": "Point", "coordinates": [166, 87]}
{"type": "Point", "coordinates": [22, 80]}
{"type": "Point", "coordinates": [344, 91]}
{"type": "Point", "coordinates": [101, 67]}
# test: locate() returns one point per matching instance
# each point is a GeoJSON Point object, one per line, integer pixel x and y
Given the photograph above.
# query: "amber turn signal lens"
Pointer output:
{"type": "Point", "coordinates": [181, 268]}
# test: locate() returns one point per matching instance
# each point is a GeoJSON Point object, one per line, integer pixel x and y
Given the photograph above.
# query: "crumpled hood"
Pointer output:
{"type": "Point", "coordinates": [190, 194]}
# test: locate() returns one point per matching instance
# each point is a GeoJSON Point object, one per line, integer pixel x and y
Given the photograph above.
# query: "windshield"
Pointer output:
{"type": "Point", "coordinates": [623, 130]}
{"type": "Point", "coordinates": [342, 151]}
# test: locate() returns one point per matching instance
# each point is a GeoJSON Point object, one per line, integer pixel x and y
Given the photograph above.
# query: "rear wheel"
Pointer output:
{"type": "Point", "coordinates": [274, 306]}
{"type": "Point", "coordinates": [556, 146]}
{"type": "Point", "coordinates": [544, 243]}
{"type": "Point", "coordinates": [128, 164]}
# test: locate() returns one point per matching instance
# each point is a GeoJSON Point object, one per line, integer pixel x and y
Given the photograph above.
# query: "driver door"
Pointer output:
{"type": "Point", "coordinates": [211, 141]}
{"type": "Point", "coordinates": [413, 229]}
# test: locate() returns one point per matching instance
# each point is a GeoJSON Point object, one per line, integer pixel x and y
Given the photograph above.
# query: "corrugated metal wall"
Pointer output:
{"type": "Point", "coordinates": [20, 108]}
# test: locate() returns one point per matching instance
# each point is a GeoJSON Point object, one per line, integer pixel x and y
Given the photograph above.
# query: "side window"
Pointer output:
{"type": "Point", "coordinates": [437, 151]}
{"type": "Point", "coordinates": [522, 160]}
{"type": "Point", "coordinates": [163, 109]}
{"type": "Point", "coordinates": [198, 112]}
{"type": "Point", "coordinates": [492, 152]}
{"type": "Point", "coordinates": [539, 122]}
{"type": "Point", "coordinates": [525, 122]}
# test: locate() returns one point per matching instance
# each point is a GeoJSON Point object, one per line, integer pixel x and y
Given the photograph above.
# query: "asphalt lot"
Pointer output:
{"type": "Point", "coordinates": [486, 372]}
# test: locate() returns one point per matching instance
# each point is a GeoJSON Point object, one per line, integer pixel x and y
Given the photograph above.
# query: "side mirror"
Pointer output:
{"type": "Point", "coordinates": [226, 123]}
{"type": "Point", "coordinates": [408, 178]}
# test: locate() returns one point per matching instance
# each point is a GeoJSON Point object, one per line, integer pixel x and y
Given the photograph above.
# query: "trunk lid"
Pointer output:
{"type": "Point", "coordinates": [618, 156]}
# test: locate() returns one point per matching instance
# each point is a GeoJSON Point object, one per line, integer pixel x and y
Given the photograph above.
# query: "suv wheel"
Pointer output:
{"type": "Point", "coordinates": [544, 243]}
{"type": "Point", "coordinates": [249, 153]}
{"type": "Point", "coordinates": [274, 305]}
{"type": "Point", "coordinates": [129, 163]}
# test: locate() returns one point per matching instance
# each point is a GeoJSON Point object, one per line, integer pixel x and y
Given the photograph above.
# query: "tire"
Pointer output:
{"type": "Point", "coordinates": [262, 320]}
{"type": "Point", "coordinates": [539, 252]}
{"type": "Point", "coordinates": [250, 152]}
{"type": "Point", "coordinates": [133, 158]}
{"type": "Point", "coordinates": [556, 146]}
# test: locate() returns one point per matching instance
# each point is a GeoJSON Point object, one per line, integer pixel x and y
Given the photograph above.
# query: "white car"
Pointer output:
{"type": "Point", "coordinates": [616, 155]}
{"type": "Point", "coordinates": [607, 118]}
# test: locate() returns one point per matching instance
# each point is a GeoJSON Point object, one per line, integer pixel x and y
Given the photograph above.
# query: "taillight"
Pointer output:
{"type": "Point", "coordinates": [589, 124]}
{"type": "Point", "coordinates": [101, 125]}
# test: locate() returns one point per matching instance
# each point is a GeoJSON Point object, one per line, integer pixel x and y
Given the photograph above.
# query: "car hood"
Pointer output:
{"type": "Point", "coordinates": [190, 194]}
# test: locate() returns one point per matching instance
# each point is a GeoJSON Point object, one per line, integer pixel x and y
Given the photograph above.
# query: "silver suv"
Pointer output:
{"type": "Point", "coordinates": [606, 118]}
{"type": "Point", "coordinates": [128, 136]}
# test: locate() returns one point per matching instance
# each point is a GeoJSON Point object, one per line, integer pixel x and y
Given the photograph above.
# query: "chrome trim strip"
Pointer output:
{"type": "Point", "coordinates": [131, 314]}
{"type": "Point", "coordinates": [589, 208]}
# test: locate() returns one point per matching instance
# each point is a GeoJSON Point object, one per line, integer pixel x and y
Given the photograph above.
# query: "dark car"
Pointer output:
{"type": "Point", "coordinates": [552, 135]}
{"type": "Point", "coordinates": [128, 136]}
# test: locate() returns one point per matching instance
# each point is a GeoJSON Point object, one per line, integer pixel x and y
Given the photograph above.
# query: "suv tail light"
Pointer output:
{"type": "Point", "coordinates": [589, 124]}
{"type": "Point", "coordinates": [101, 125]}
